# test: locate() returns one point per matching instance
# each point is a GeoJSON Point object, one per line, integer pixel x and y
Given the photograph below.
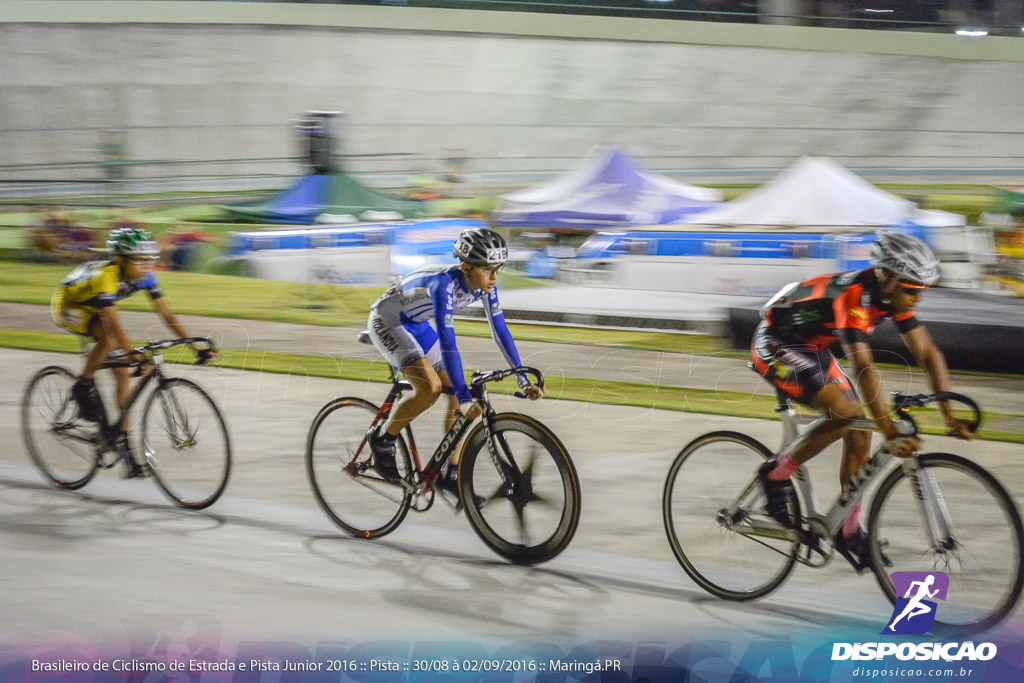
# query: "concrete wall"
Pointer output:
{"type": "Point", "coordinates": [515, 93]}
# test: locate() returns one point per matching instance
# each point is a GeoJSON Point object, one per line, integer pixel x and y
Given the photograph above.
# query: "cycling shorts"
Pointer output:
{"type": "Point", "coordinates": [73, 317]}
{"type": "Point", "coordinates": [796, 370]}
{"type": "Point", "coordinates": [405, 343]}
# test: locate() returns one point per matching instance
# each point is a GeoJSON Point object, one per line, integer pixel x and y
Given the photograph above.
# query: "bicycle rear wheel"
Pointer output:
{"type": "Point", "coordinates": [982, 555]}
{"type": "Point", "coordinates": [62, 446]}
{"type": "Point", "coordinates": [725, 556]}
{"type": "Point", "coordinates": [338, 462]}
{"type": "Point", "coordinates": [186, 444]}
{"type": "Point", "coordinates": [526, 506]}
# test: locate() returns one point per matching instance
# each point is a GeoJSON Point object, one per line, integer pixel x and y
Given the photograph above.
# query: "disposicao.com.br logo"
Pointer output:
{"type": "Point", "coordinates": [914, 614]}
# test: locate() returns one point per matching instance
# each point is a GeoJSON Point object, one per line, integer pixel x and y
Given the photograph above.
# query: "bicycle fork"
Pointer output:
{"type": "Point", "coordinates": [938, 525]}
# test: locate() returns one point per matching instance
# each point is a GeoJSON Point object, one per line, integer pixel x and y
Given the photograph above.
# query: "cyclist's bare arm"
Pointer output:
{"type": "Point", "coordinates": [931, 360]}
{"type": "Point", "coordinates": [870, 382]}
{"type": "Point", "coordinates": [171, 320]}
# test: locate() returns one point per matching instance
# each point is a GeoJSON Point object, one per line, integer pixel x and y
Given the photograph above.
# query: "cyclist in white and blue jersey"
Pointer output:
{"type": "Point", "coordinates": [400, 328]}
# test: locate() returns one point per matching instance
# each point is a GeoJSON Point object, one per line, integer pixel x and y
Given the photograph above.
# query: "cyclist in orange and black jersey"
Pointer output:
{"type": "Point", "coordinates": [844, 306]}
{"type": "Point", "coordinates": [790, 350]}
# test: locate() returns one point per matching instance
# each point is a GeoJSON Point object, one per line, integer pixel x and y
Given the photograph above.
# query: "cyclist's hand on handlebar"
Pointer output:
{"type": "Point", "coordinates": [902, 446]}
{"type": "Point", "coordinates": [472, 409]}
{"type": "Point", "coordinates": [204, 356]}
{"type": "Point", "coordinates": [533, 392]}
{"type": "Point", "coordinates": [959, 429]}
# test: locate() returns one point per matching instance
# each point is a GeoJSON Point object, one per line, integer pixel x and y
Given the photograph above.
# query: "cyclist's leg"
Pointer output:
{"type": "Point", "coordinates": [449, 476]}
{"type": "Point", "coordinates": [87, 324]}
{"type": "Point", "coordinates": [105, 343]}
{"type": "Point", "coordinates": [814, 379]}
{"type": "Point", "coordinates": [426, 388]}
{"type": "Point", "coordinates": [805, 376]}
{"type": "Point", "coordinates": [100, 350]}
{"type": "Point", "coordinates": [406, 347]}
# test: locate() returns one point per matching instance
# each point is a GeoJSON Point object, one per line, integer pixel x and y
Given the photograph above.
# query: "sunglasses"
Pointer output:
{"type": "Point", "coordinates": [493, 270]}
{"type": "Point", "coordinates": [913, 288]}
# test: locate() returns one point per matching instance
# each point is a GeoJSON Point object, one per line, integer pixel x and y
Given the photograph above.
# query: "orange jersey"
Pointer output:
{"type": "Point", "coordinates": [818, 311]}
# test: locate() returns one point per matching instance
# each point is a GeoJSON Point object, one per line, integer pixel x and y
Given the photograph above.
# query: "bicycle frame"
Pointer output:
{"type": "Point", "coordinates": [110, 429]}
{"type": "Point", "coordinates": [452, 438]}
{"type": "Point", "coordinates": [933, 506]}
{"type": "Point", "coordinates": [444, 449]}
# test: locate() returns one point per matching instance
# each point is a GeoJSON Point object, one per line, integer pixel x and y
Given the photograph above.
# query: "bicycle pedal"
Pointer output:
{"type": "Point", "coordinates": [819, 547]}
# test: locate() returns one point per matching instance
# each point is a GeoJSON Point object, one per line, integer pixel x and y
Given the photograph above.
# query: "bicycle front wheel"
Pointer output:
{"type": "Point", "coordinates": [976, 541]}
{"type": "Point", "coordinates": [62, 446]}
{"type": "Point", "coordinates": [186, 444]}
{"type": "Point", "coordinates": [339, 465]}
{"type": "Point", "coordinates": [712, 509]}
{"type": "Point", "coordinates": [523, 500]}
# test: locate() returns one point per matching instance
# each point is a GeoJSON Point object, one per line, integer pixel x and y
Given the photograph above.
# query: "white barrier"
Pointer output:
{"type": "Point", "coordinates": [699, 274]}
{"type": "Point", "coordinates": [340, 266]}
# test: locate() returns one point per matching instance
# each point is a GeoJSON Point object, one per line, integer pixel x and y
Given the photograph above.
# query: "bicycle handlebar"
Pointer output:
{"type": "Point", "coordinates": [482, 378]}
{"type": "Point", "coordinates": [902, 402]}
{"type": "Point", "coordinates": [201, 354]}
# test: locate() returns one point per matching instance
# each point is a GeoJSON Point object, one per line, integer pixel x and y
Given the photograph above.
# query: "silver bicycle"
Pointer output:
{"type": "Point", "coordinates": [929, 512]}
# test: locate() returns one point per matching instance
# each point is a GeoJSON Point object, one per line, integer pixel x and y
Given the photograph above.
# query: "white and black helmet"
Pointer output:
{"type": "Point", "coordinates": [906, 257]}
{"type": "Point", "coordinates": [480, 247]}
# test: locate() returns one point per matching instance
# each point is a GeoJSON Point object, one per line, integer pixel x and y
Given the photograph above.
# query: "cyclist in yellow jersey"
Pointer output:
{"type": "Point", "coordinates": [84, 305]}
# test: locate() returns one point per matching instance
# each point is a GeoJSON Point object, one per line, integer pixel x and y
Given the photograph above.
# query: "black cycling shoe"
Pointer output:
{"type": "Point", "coordinates": [383, 451]}
{"type": "Point", "coordinates": [780, 494]}
{"type": "Point", "coordinates": [449, 483]}
{"type": "Point", "coordinates": [449, 480]}
{"type": "Point", "coordinates": [88, 400]}
{"type": "Point", "coordinates": [133, 468]}
{"type": "Point", "coordinates": [857, 551]}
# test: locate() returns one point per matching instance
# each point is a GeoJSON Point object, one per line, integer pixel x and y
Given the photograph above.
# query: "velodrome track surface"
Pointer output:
{"type": "Point", "coordinates": [116, 562]}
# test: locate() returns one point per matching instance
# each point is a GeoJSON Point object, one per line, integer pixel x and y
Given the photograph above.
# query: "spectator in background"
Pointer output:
{"type": "Point", "coordinates": [127, 218]}
{"type": "Point", "coordinates": [76, 241]}
{"type": "Point", "coordinates": [182, 244]}
{"type": "Point", "coordinates": [46, 237]}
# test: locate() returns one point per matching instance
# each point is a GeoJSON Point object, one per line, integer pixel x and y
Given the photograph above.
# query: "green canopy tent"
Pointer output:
{"type": "Point", "coordinates": [1010, 200]}
{"type": "Point", "coordinates": [313, 195]}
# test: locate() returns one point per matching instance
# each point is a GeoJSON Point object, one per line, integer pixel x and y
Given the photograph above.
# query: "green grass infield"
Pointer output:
{"type": "Point", "coordinates": [680, 399]}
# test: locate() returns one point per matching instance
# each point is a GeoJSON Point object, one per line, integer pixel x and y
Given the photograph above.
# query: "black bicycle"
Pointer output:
{"type": "Point", "coordinates": [517, 484]}
{"type": "Point", "coordinates": [183, 435]}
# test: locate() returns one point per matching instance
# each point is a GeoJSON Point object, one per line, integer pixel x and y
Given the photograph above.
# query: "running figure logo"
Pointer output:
{"type": "Point", "coordinates": [913, 614]}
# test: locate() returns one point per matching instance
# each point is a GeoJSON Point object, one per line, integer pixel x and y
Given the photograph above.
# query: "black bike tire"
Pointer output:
{"type": "Point", "coordinates": [401, 451]}
{"type": "Point", "coordinates": [673, 539]}
{"type": "Point", "coordinates": [165, 385]}
{"type": "Point", "coordinates": [569, 521]}
{"type": "Point", "coordinates": [36, 458]}
{"type": "Point", "coordinates": [1005, 501]}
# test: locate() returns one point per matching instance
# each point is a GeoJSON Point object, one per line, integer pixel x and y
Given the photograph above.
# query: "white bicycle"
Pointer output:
{"type": "Point", "coordinates": [930, 512]}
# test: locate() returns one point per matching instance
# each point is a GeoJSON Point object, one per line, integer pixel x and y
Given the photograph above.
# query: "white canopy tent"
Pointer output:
{"type": "Point", "coordinates": [817, 191]}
